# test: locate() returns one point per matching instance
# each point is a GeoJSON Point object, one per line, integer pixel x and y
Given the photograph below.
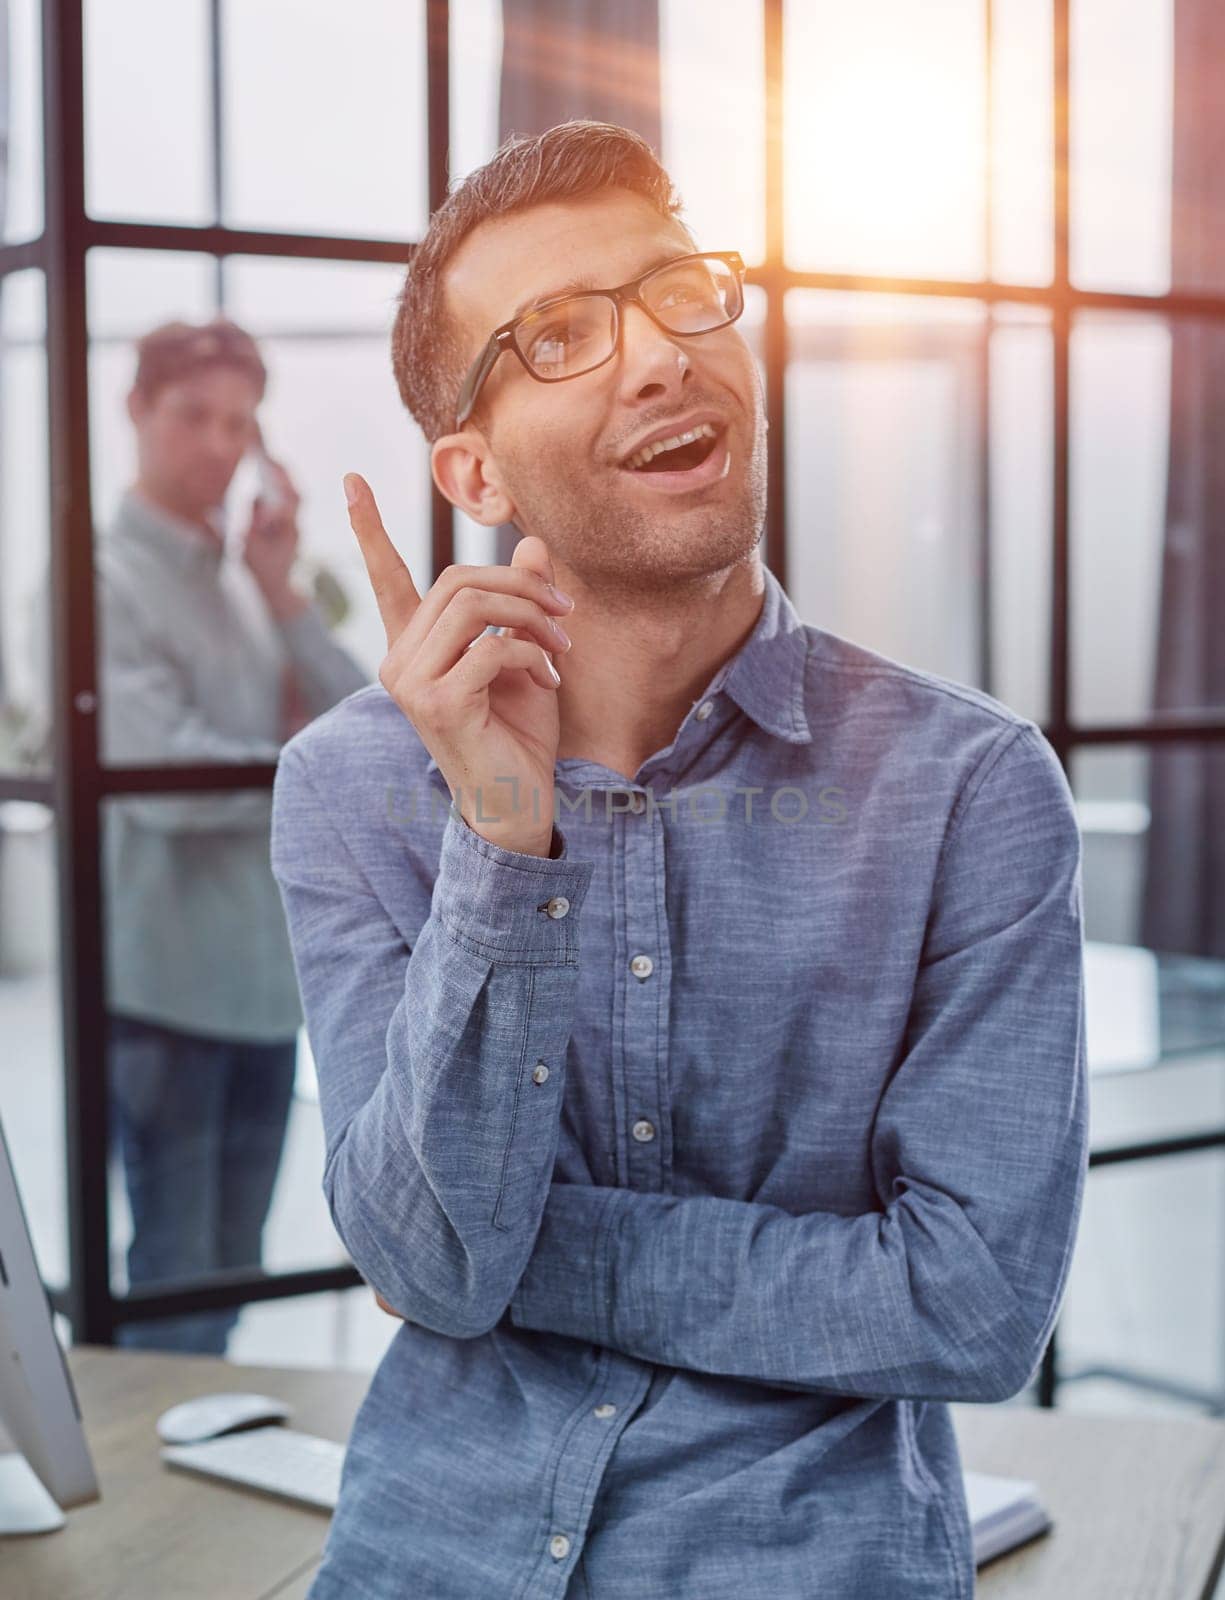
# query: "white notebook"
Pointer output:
{"type": "Point", "coordinates": [1004, 1512]}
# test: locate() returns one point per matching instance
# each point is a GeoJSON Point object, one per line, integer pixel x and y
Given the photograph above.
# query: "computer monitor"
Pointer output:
{"type": "Point", "coordinates": [45, 1465]}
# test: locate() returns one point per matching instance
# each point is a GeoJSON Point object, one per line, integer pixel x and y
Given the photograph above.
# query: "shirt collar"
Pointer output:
{"type": "Point", "coordinates": [186, 544]}
{"type": "Point", "coordinates": [766, 675]}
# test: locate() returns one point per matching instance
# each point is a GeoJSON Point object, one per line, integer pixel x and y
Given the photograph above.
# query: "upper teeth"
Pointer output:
{"type": "Point", "coordinates": [704, 430]}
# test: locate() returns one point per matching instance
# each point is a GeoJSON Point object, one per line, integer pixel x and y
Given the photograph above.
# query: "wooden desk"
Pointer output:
{"type": "Point", "coordinates": [1139, 1504]}
{"type": "Point", "coordinates": [162, 1535]}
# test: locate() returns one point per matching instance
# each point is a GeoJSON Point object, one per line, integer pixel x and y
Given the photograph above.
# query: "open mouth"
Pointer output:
{"type": "Point", "coordinates": [675, 454]}
{"type": "Point", "coordinates": [686, 460]}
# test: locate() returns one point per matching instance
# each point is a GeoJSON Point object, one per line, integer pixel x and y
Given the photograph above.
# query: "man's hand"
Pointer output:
{"type": "Point", "coordinates": [271, 545]}
{"type": "Point", "coordinates": [390, 1310]}
{"type": "Point", "coordinates": [485, 705]}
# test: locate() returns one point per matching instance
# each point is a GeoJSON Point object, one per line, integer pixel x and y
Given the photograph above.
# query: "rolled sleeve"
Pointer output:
{"type": "Point", "coordinates": [440, 1135]}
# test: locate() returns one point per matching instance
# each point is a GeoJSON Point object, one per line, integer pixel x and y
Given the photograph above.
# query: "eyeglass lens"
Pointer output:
{"type": "Point", "coordinates": [578, 333]}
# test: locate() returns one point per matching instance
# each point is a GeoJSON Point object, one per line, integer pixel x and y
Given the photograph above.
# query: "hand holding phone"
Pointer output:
{"type": "Point", "coordinates": [270, 546]}
{"type": "Point", "coordinates": [271, 490]}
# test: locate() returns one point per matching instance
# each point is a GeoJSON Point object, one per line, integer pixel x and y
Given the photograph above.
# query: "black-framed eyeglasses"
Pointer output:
{"type": "Point", "coordinates": [576, 333]}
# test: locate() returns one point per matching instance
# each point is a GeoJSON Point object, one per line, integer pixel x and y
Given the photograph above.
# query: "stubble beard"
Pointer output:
{"type": "Point", "coordinates": [603, 532]}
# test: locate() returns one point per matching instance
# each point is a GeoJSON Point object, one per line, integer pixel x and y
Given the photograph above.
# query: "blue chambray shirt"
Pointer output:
{"type": "Point", "coordinates": [709, 1160]}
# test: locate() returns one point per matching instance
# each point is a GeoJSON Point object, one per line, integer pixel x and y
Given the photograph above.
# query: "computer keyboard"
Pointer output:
{"type": "Point", "coordinates": [273, 1459]}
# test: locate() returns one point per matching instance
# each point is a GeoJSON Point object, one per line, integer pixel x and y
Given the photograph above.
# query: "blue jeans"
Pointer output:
{"type": "Point", "coordinates": [200, 1124]}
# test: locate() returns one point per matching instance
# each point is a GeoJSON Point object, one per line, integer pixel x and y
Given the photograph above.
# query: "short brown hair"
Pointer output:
{"type": "Point", "coordinates": [568, 162]}
{"type": "Point", "coordinates": [176, 349]}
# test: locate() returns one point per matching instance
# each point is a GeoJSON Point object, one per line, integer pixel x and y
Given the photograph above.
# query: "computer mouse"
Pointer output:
{"type": "Point", "coordinates": [212, 1414]}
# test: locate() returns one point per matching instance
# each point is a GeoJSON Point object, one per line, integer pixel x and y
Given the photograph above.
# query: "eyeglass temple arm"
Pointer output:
{"type": "Point", "coordinates": [477, 373]}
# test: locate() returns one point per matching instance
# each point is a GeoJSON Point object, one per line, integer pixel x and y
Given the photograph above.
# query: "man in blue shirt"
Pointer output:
{"type": "Point", "coordinates": [698, 1021]}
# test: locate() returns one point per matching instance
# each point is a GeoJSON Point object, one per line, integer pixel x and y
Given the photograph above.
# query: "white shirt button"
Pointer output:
{"type": "Point", "coordinates": [558, 906]}
{"type": "Point", "coordinates": [643, 1131]}
{"type": "Point", "coordinates": [540, 1073]}
{"type": "Point", "coordinates": [638, 804]}
{"type": "Point", "coordinates": [559, 1547]}
{"type": "Point", "coordinates": [642, 966]}
{"type": "Point", "coordinates": [606, 1410]}
{"type": "Point", "coordinates": [704, 710]}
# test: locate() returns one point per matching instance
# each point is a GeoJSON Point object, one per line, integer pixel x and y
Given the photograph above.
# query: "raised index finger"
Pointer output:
{"type": "Point", "coordinates": [394, 589]}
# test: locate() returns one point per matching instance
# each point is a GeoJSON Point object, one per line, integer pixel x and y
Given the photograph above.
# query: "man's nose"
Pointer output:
{"type": "Point", "coordinates": [653, 362]}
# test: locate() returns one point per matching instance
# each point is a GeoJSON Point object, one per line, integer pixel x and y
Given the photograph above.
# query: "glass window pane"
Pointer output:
{"type": "Point", "coordinates": [475, 544]}
{"type": "Point", "coordinates": [884, 524]}
{"type": "Point", "coordinates": [1119, 440]}
{"type": "Point", "coordinates": [1151, 819]}
{"type": "Point", "coordinates": [21, 188]}
{"type": "Point", "coordinates": [1197, 205]}
{"type": "Point", "coordinates": [128, 293]}
{"type": "Point", "coordinates": [214, 1120]}
{"type": "Point", "coordinates": [752, 324]}
{"type": "Point", "coordinates": [712, 110]}
{"type": "Point", "coordinates": [1140, 1327]}
{"type": "Point", "coordinates": [1021, 443]}
{"type": "Point", "coordinates": [31, 1072]}
{"type": "Point", "coordinates": [1122, 85]}
{"type": "Point", "coordinates": [1112, 803]}
{"type": "Point", "coordinates": [25, 548]}
{"type": "Point", "coordinates": [1022, 155]}
{"type": "Point", "coordinates": [337, 145]}
{"type": "Point", "coordinates": [148, 119]}
{"type": "Point", "coordinates": [883, 133]}
{"type": "Point", "coordinates": [289, 296]}
{"type": "Point", "coordinates": [713, 120]}
{"type": "Point", "coordinates": [131, 291]}
{"type": "Point", "coordinates": [1147, 397]}
{"type": "Point", "coordinates": [1145, 1291]}
{"type": "Point", "coordinates": [332, 407]}
{"type": "Point", "coordinates": [24, 304]}
{"type": "Point", "coordinates": [346, 1331]}
{"type": "Point", "coordinates": [476, 69]}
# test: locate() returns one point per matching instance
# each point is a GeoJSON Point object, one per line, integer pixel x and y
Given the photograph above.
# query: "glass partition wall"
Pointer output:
{"type": "Point", "coordinates": [119, 221]}
{"type": "Point", "coordinates": [987, 333]}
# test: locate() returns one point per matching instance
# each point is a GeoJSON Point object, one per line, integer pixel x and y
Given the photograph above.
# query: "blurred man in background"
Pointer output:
{"type": "Point", "coordinates": [205, 656]}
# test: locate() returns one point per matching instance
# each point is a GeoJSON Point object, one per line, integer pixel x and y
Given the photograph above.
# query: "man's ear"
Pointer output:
{"type": "Point", "coordinates": [136, 405]}
{"type": "Point", "coordinates": [466, 473]}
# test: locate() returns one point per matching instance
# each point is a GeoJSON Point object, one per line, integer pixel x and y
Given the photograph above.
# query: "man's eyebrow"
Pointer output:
{"type": "Point", "coordinates": [575, 285]}
{"type": "Point", "coordinates": [571, 287]}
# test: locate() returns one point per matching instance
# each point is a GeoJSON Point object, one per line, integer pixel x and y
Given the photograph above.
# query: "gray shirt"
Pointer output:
{"type": "Point", "coordinates": [190, 666]}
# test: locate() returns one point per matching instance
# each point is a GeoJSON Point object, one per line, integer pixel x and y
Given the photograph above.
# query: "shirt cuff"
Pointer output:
{"type": "Point", "coordinates": [508, 905]}
{"type": "Point", "coordinates": [567, 1285]}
